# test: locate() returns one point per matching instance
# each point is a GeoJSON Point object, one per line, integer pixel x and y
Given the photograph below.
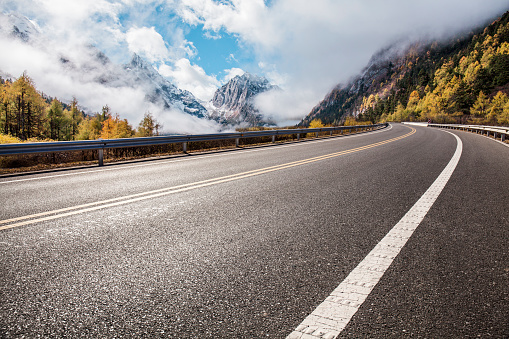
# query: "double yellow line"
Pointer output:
{"type": "Point", "coordinates": [94, 206]}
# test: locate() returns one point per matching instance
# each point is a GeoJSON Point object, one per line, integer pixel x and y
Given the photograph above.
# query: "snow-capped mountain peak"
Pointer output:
{"type": "Point", "coordinates": [18, 26]}
{"type": "Point", "coordinates": [233, 102]}
{"type": "Point", "coordinates": [162, 91]}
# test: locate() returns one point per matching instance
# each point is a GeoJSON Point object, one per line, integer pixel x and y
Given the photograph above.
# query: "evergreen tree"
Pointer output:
{"type": "Point", "coordinates": [480, 107]}
{"type": "Point", "coordinates": [76, 117]}
{"type": "Point", "coordinates": [28, 107]}
{"type": "Point", "coordinates": [148, 126]}
{"type": "Point", "coordinates": [55, 119]}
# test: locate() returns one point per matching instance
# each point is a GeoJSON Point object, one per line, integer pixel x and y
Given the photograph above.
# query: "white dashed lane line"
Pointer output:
{"type": "Point", "coordinates": [335, 312]}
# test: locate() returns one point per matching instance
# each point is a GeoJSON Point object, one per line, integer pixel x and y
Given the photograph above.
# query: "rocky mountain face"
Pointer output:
{"type": "Point", "coordinates": [233, 103]}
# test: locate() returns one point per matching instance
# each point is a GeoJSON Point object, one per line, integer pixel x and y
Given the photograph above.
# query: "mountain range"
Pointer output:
{"type": "Point", "coordinates": [441, 81]}
{"type": "Point", "coordinates": [232, 103]}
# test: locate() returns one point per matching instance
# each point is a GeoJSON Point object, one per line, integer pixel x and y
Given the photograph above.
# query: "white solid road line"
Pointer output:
{"type": "Point", "coordinates": [333, 314]}
{"type": "Point", "coordinates": [160, 161]}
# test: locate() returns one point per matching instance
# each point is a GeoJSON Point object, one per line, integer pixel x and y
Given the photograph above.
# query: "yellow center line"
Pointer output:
{"type": "Point", "coordinates": [68, 211]}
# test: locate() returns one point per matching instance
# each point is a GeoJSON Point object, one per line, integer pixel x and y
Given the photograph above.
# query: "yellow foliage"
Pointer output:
{"type": "Point", "coordinates": [114, 128]}
{"type": "Point", "coordinates": [316, 123]}
{"type": "Point", "coordinates": [413, 99]}
{"type": "Point", "coordinates": [351, 121]}
{"type": "Point", "coordinates": [503, 118]}
{"type": "Point", "coordinates": [7, 139]}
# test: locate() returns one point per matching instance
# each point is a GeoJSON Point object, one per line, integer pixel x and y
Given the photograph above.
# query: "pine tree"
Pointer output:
{"type": "Point", "coordinates": [480, 107]}
{"type": "Point", "coordinates": [55, 119]}
{"type": "Point", "coordinates": [148, 126]}
{"type": "Point", "coordinates": [76, 117]}
{"type": "Point", "coordinates": [28, 107]}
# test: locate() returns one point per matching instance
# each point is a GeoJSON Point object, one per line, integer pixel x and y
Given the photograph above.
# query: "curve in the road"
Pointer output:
{"type": "Point", "coordinates": [335, 312]}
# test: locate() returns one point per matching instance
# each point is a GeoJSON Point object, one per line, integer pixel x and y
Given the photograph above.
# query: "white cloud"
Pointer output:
{"type": "Point", "coordinates": [237, 16]}
{"type": "Point", "coordinates": [313, 45]}
{"type": "Point", "coordinates": [69, 80]}
{"type": "Point", "coordinates": [192, 78]}
{"type": "Point", "coordinates": [232, 73]}
{"type": "Point", "coordinates": [212, 35]}
{"type": "Point", "coordinates": [305, 47]}
{"type": "Point", "coordinates": [147, 42]}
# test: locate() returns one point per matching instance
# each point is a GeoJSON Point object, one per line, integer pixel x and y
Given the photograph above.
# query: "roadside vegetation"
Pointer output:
{"type": "Point", "coordinates": [468, 85]}
{"type": "Point", "coordinates": [29, 115]}
{"type": "Point", "coordinates": [463, 80]}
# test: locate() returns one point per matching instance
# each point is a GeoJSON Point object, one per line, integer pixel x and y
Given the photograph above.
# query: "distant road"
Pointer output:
{"type": "Point", "coordinates": [247, 243]}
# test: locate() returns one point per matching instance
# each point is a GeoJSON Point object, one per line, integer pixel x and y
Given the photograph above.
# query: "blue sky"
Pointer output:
{"type": "Point", "coordinates": [218, 51]}
{"type": "Point", "coordinates": [305, 47]}
{"type": "Point", "coordinates": [214, 51]}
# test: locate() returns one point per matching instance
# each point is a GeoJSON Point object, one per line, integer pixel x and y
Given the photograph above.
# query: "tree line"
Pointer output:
{"type": "Point", "coordinates": [27, 114]}
{"type": "Point", "coordinates": [469, 85]}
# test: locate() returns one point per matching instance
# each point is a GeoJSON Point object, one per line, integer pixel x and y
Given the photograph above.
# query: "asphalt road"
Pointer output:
{"type": "Point", "coordinates": [247, 243]}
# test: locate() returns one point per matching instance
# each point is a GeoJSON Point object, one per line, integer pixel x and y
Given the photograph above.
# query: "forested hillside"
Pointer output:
{"type": "Point", "coordinates": [464, 80]}
{"type": "Point", "coordinates": [26, 114]}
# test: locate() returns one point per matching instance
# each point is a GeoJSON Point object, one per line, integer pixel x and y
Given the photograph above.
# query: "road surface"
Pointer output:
{"type": "Point", "coordinates": [248, 243]}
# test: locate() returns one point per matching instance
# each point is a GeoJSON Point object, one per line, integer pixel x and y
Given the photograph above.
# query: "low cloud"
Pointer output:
{"type": "Point", "coordinates": [232, 73]}
{"type": "Point", "coordinates": [148, 43]}
{"type": "Point", "coordinates": [313, 45]}
{"type": "Point", "coordinates": [192, 78]}
{"type": "Point", "coordinates": [93, 82]}
{"type": "Point", "coordinates": [285, 106]}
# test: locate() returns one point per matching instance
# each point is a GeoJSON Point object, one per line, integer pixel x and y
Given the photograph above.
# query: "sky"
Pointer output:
{"type": "Point", "coordinates": [305, 47]}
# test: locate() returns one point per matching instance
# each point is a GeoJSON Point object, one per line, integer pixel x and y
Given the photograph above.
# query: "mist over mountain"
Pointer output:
{"type": "Point", "coordinates": [97, 81]}
{"type": "Point", "coordinates": [160, 90]}
{"type": "Point", "coordinates": [87, 74]}
{"type": "Point", "coordinates": [465, 79]}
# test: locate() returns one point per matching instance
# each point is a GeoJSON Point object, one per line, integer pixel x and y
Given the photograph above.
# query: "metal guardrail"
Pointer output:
{"type": "Point", "coordinates": [67, 146]}
{"type": "Point", "coordinates": [502, 132]}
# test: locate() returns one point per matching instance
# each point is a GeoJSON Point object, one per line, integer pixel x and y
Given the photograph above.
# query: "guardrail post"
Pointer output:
{"type": "Point", "coordinates": [101, 155]}
{"type": "Point", "coordinates": [331, 133]}
{"type": "Point", "coordinates": [184, 147]}
{"type": "Point", "coordinates": [316, 135]}
{"type": "Point", "coordinates": [274, 139]}
{"type": "Point", "coordinates": [298, 136]}
{"type": "Point", "coordinates": [237, 142]}
{"type": "Point", "coordinates": [502, 137]}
